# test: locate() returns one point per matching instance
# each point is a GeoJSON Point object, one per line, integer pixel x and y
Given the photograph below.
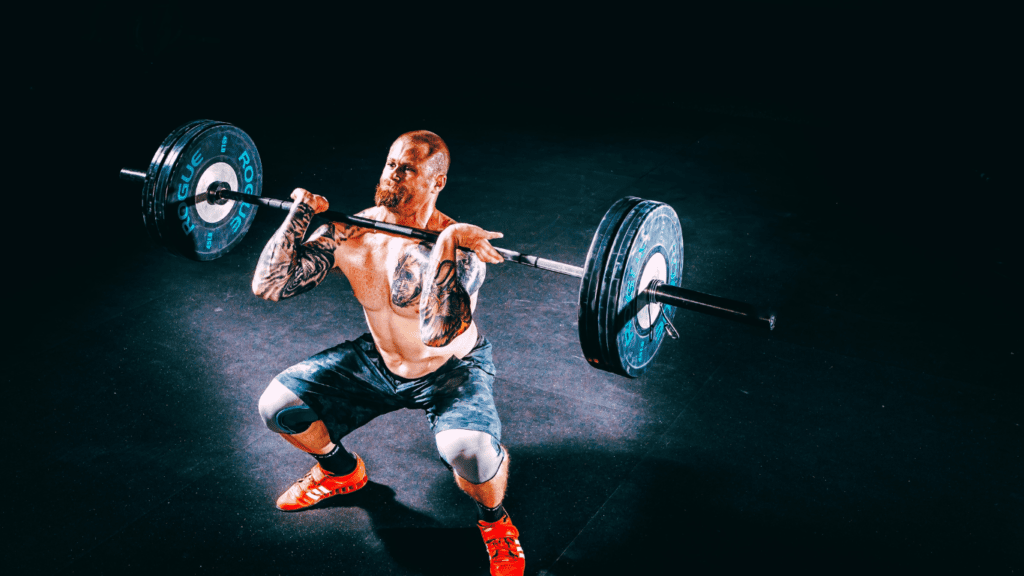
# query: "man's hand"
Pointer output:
{"type": "Point", "coordinates": [319, 204]}
{"type": "Point", "coordinates": [476, 239]}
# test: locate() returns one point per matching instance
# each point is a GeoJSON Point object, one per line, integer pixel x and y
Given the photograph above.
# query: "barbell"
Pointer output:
{"type": "Point", "coordinates": [204, 184]}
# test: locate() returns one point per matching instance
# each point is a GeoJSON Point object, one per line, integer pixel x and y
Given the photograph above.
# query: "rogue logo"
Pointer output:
{"type": "Point", "coordinates": [183, 212]}
{"type": "Point", "coordinates": [248, 174]}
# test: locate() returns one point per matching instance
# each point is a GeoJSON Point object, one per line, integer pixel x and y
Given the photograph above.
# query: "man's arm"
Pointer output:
{"type": "Point", "coordinates": [287, 267]}
{"type": "Point", "coordinates": [450, 280]}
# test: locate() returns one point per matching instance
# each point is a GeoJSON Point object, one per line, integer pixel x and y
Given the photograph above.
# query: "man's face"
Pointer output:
{"type": "Point", "coordinates": [408, 177]}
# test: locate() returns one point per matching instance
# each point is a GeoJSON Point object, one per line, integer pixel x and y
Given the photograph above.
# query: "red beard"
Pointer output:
{"type": "Point", "coordinates": [389, 197]}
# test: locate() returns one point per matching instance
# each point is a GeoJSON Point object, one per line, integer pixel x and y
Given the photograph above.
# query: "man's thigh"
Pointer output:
{"type": "Point", "coordinates": [343, 386]}
{"type": "Point", "coordinates": [464, 396]}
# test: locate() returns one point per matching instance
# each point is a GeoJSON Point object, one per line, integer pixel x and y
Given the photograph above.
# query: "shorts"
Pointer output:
{"type": "Point", "coordinates": [349, 385]}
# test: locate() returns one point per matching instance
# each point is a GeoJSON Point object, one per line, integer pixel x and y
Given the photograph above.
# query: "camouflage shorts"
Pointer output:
{"type": "Point", "coordinates": [349, 385]}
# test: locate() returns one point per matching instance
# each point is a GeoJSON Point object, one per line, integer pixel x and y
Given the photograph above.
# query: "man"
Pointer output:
{"type": "Point", "coordinates": [423, 350]}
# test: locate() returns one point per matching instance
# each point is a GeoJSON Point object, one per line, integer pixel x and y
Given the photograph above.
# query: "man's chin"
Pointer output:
{"type": "Point", "coordinates": [388, 197]}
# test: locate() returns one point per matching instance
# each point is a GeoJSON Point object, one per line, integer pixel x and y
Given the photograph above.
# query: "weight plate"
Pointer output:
{"type": "Point", "coordinates": [148, 198]}
{"type": "Point", "coordinates": [593, 268]}
{"type": "Point", "coordinates": [648, 246]}
{"type": "Point", "coordinates": [611, 280]}
{"type": "Point", "coordinates": [157, 193]}
{"type": "Point", "coordinates": [205, 154]}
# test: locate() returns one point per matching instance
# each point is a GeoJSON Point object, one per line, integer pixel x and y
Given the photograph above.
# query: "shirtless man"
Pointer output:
{"type": "Point", "coordinates": [423, 351]}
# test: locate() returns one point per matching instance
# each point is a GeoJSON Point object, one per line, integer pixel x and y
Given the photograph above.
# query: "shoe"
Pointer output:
{"type": "Point", "coordinates": [318, 485]}
{"type": "Point", "coordinates": [502, 541]}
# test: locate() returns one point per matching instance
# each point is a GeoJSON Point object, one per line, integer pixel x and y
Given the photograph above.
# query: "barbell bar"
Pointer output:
{"type": "Point", "coordinates": [204, 185]}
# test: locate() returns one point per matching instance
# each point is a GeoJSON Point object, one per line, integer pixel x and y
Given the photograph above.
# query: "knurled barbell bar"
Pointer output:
{"type": "Point", "coordinates": [203, 186]}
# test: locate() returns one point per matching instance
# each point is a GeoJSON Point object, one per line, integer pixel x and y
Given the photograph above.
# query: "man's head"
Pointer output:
{"type": "Point", "coordinates": [415, 171]}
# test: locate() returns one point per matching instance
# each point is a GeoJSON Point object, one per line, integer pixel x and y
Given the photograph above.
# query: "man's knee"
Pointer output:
{"type": "Point", "coordinates": [283, 411]}
{"type": "Point", "coordinates": [475, 456]}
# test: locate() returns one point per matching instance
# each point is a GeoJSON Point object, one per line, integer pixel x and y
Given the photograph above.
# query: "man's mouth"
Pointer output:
{"type": "Point", "coordinates": [390, 196]}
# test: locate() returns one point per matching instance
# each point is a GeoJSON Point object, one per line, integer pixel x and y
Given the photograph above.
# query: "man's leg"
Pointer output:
{"type": "Point", "coordinates": [479, 462]}
{"type": "Point", "coordinates": [480, 466]}
{"type": "Point", "coordinates": [285, 413]}
{"type": "Point", "coordinates": [460, 407]}
{"type": "Point", "coordinates": [491, 493]}
{"type": "Point", "coordinates": [337, 471]}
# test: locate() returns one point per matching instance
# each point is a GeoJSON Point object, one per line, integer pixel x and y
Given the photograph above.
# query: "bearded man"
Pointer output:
{"type": "Point", "coordinates": [423, 350]}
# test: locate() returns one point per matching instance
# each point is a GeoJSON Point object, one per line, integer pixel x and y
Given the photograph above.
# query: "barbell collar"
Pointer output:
{"type": "Point", "coordinates": [708, 304]}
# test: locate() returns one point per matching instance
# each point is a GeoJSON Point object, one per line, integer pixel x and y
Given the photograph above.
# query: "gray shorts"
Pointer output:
{"type": "Point", "coordinates": [349, 385]}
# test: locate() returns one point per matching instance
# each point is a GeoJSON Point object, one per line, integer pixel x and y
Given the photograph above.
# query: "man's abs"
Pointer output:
{"type": "Point", "coordinates": [398, 341]}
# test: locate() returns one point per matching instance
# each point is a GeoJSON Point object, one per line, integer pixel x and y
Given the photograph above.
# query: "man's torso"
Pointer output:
{"type": "Point", "coordinates": [385, 272]}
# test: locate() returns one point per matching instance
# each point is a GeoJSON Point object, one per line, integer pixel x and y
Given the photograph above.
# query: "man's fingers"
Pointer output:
{"type": "Point", "coordinates": [497, 255]}
{"type": "Point", "coordinates": [317, 203]}
{"type": "Point", "coordinates": [488, 254]}
{"type": "Point", "coordinates": [321, 204]}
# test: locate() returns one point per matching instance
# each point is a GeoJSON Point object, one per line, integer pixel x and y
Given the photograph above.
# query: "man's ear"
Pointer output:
{"type": "Point", "coordinates": [439, 182]}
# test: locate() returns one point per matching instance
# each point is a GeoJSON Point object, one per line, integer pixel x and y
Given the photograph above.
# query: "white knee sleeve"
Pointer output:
{"type": "Point", "coordinates": [475, 456]}
{"type": "Point", "coordinates": [283, 411]}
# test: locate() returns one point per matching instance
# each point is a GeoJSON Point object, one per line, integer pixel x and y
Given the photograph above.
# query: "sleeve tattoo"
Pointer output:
{"type": "Point", "coordinates": [288, 267]}
{"type": "Point", "coordinates": [445, 300]}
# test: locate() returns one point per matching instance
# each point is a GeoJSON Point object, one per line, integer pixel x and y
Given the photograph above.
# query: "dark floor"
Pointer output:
{"type": "Point", "coordinates": [877, 429]}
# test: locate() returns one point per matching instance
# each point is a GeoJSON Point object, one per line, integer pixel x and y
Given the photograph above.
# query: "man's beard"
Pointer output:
{"type": "Point", "coordinates": [390, 197]}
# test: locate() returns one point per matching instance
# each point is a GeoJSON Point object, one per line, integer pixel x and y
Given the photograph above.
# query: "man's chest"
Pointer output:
{"type": "Point", "coordinates": [385, 271]}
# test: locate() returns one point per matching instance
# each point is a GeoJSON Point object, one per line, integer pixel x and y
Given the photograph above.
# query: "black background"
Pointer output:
{"type": "Point", "coordinates": [907, 119]}
{"type": "Point", "coordinates": [914, 109]}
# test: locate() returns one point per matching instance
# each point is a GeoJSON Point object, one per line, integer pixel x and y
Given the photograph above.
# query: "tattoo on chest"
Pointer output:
{"type": "Point", "coordinates": [408, 283]}
{"type": "Point", "coordinates": [406, 288]}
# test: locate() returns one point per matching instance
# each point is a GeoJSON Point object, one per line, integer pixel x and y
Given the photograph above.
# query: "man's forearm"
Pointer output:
{"type": "Point", "coordinates": [445, 305]}
{"type": "Point", "coordinates": [277, 263]}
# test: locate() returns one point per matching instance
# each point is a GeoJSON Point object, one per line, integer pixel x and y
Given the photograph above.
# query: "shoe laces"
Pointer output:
{"type": "Point", "coordinates": [502, 547]}
{"type": "Point", "coordinates": [307, 482]}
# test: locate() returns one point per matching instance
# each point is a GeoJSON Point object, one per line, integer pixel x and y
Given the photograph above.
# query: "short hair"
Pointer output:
{"type": "Point", "coordinates": [437, 151]}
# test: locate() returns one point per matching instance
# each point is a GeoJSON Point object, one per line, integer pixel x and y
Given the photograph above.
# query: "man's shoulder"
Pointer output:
{"type": "Point", "coordinates": [373, 213]}
{"type": "Point", "coordinates": [443, 220]}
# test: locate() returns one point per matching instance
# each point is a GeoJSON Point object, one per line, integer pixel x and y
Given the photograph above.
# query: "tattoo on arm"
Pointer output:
{"type": "Point", "coordinates": [448, 283]}
{"type": "Point", "coordinates": [471, 271]}
{"type": "Point", "coordinates": [287, 267]}
{"type": "Point", "coordinates": [313, 260]}
{"type": "Point", "coordinates": [445, 307]}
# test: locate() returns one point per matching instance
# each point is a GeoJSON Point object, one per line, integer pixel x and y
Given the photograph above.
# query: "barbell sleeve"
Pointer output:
{"type": "Point", "coordinates": [708, 304]}
{"type": "Point", "coordinates": [133, 175]}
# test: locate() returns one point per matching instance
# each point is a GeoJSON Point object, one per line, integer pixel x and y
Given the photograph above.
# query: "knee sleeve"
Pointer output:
{"type": "Point", "coordinates": [475, 456]}
{"type": "Point", "coordinates": [283, 411]}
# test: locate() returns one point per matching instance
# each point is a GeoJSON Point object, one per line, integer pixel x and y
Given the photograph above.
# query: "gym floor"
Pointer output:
{"type": "Point", "coordinates": [878, 428]}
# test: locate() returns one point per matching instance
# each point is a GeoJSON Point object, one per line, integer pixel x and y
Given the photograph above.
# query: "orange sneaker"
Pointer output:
{"type": "Point", "coordinates": [318, 485]}
{"type": "Point", "coordinates": [502, 541]}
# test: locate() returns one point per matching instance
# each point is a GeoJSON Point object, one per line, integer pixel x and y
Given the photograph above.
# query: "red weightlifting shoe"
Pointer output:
{"type": "Point", "coordinates": [502, 541]}
{"type": "Point", "coordinates": [318, 485]}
